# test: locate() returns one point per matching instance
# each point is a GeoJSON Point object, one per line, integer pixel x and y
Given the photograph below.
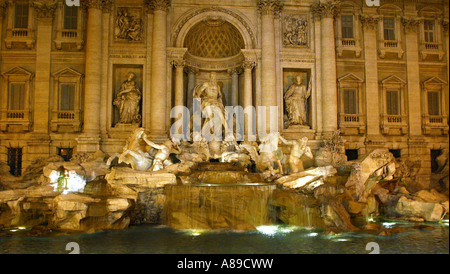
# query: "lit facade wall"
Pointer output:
{"type": "Point", "coordinates": [378, 74]}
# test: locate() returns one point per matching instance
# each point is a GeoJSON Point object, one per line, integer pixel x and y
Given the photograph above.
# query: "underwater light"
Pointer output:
{"type": "Point", "coordinates": [275, 229]}
{"type": "Point", "coordinates": [195, 232]}
{"type": "Point", "coordinates": [313, 234]}
{"type": "Point", "coordinates": [387, 224]}
{"type": "Point", "coordinates": [267, 229]}
{"type": "Point", "coordinates": [341, 240]}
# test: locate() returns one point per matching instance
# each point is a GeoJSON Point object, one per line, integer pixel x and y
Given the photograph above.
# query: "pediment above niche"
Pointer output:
{"type": "Point", "coordinates": [67, 72]}
{"type": "Point", "coordinates": [393, 80]}
{"type": "Point", "coordinates": [350, 77]}
{"type": "Point", "coordinates": [18, 72]}
{"type": "Point", "coordinates": [434, 81]}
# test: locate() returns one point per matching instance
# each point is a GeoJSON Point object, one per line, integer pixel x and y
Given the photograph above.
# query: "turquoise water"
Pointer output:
{"type": "Point", "coordinates": [267, 240]}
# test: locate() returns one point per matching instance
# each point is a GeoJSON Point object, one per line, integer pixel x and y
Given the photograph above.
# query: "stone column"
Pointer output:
{"type": "Point", "coordinates": [417, 145]}
{"type": "Point", "coordinates": [326, 10]}
{"type": "Point", "coordinates": [2, 15]}
{"type": "Point", "coordinates": [370, 24]}
{"type": "Point", "coordinates": [89, 141]}
{"type": "Point", "coordinates": [158, 89]}
{"type": "Point", "coordinates": [446, 44]}
{"type": "Point", "coordinates": [179, 90]}
{"type": "Point", "coordinates": [247, 99]}
{"type": "Point", "coordinates": [191, 85]}
{"type": "Point", "coordinates": [413, 79]}
{"type": "Point", "coordinates": [107, 9]}
{"type": "Point", "coordinates": [268, 9]}
{"type": "Point", "coordinates": [234, 86]}
{"type": "Point", "coordinates": [45, 13]}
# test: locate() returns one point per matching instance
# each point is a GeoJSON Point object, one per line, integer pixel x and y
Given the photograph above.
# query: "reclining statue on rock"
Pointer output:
{"type": "Point", "coordinates": [161, 159]}
{"type": "Point", "coordinates": [298, 149]}
{"type": "Point", "coordinates": [134, 152]}
{"type": "Point", "coordinates": [268, 156]}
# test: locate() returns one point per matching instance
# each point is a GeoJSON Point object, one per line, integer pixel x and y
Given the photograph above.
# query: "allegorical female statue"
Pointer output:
{"type": "Point", "coordinates": [128, 101]}
{"type": "Point", "coordinates": [295, 100]}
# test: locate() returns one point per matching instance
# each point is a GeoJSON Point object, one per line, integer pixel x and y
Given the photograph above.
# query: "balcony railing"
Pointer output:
{"type": "Point", "coordinates": [66, 115]}
{"type": "Point", "coordinates": [394, 119]}
{"type": "Point", "coordinates": [350, 118]}
{"type": "Point", "coordinates": [19, 32]}
{"type": "Point", "coordinates": [391, 44]}
{"type": "Point", "coordinates": [69, 34]}
{"type": "Point", "coordinates": [348, 42]}
{"type": "Point", "coordinates": [431, 46]}
{"type": "Point", "coordinates": [15, 114]}
{"type": "Point", "coordinates": [435, 124]}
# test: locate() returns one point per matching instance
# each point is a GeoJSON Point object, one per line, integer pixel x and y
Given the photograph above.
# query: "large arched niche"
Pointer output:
{"type": "Point", "coordinates": [195, 16]}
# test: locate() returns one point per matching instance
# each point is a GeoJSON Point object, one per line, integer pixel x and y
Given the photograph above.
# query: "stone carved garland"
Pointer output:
{"type": "Point", "coordinates": [295, 32]}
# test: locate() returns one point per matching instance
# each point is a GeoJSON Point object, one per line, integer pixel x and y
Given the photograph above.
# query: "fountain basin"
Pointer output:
{"type": "Point", "coordinates": [237, 206]}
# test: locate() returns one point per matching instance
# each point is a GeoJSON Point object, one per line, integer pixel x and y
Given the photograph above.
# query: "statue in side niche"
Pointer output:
{"type": "Point", "coordinates": [295, 100]}
{"type": "Point", "coordinates": [298, 149]}
{"type": "Point", "coordinates": [128, 101]}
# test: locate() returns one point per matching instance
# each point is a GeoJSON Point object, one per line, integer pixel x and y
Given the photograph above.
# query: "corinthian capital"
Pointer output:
{"type": "Point", "coordinates": [158, 5]}
{"type": "Point", "coordinates": [410, 24]}
{"type": "Point", "coordinates": [266, 7]}
{"type": "Point", "coordinates": [445, 25]}
{"type": "Point", "coordinates": [3, 5]}
{"type": "Point", "coordinates": [369, 22]}
{"type": "Point", "coordinates": [44, 8]}
{"type": "Point", "coordinates": [328, 9]}
{"type": "Point", "coordinates": [95, 4]}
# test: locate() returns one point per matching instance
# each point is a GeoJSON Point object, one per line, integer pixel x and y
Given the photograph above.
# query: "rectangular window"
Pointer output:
{"type": "Point", "coordinates": [350, 106]}
{"type": "Point", "coordinates": [67, 97]}
{"type": "Point", "coordinates": [393, 102]}
{"type": "Point", "coordinates": [21, 16]}
{"type": "Point", "coordinates": [352, 154]}
{"type": "Point", "coordinates": [397, 153]}
{"type": "Point", "coordinates": [70, 17]}
{"type": "Point", "coordinates": [15, 161]}
{"type": "Point", "coordinates": [66, 153]}
{"type": "Point", "coordinates": [16, 96]}
{"type": "Point", "coordinates": [433, 103]}
{"type": "Point", "coordinates": [429, 31]}
{"type": "Point", "coordinates": [389, 28]}
{"type": "Point", "coordinates": [347, 26]}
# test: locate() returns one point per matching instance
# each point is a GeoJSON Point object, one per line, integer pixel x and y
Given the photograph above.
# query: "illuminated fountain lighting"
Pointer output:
{"type": "Point", "coordinates": [271, 230]}
{"type": "Point", "coordinates": [388, 224]}
{"type": "Point", "coordinates": [67, 182]}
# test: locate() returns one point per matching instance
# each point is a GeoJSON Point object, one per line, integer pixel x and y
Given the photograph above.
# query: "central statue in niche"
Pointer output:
{"type": "Point", "coordinates": [210, 95]}
{"type": "Point", "coordinates": [128, 101]}
{"type": "Point", "coordinates": [295, 100]}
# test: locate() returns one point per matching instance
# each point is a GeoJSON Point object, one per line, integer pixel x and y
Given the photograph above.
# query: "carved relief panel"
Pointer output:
{"type": "Point", "coordinates": [295, 30]}
{"type": "Point", "coordinates": [128, 24]}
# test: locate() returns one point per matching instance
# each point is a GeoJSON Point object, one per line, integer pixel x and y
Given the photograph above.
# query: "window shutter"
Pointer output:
{"type": "Point", "coordinates": [16, 96]}
{"type": "Point", "coordinates": [70, 17]}
{"type": "Point", "coordinates": [347, 26]}
{"type": "Point", "coordinates": [21, 16]}
{"type": "Point", "coordinates": [67, 97]}
{"type": "Point", "coordinates": [350, 101]}
{"type": "Point", "coordinates": [433, 103]}
{"type": "Point", "coordinates": [392, 102]}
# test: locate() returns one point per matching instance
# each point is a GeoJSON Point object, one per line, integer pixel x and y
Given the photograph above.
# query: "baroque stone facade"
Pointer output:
{"type": "Point", "coordinates": [377, 74]}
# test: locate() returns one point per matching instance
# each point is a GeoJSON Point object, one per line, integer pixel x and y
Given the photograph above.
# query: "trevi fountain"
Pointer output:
{"type": "Point", "coordinates": [228, 191]}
